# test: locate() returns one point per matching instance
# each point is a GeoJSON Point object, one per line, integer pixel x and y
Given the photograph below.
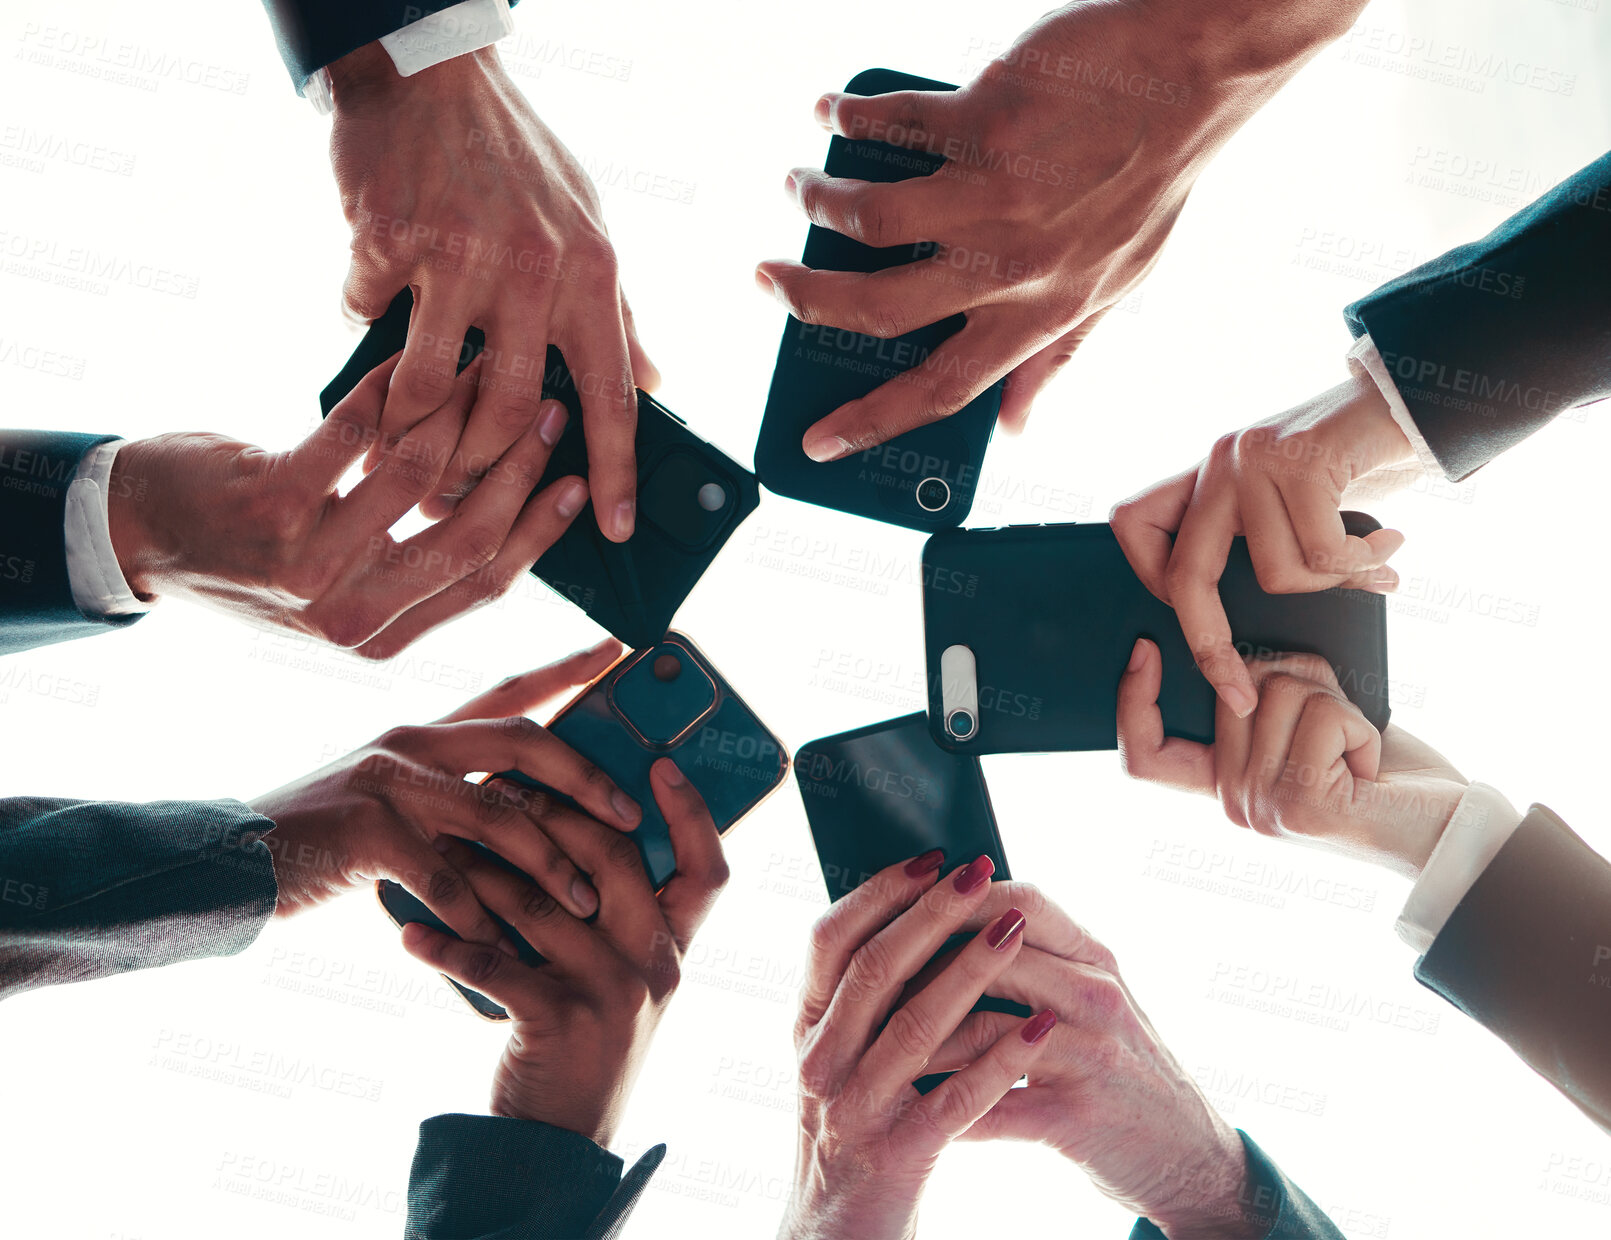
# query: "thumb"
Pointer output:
{"type": "Point", "coordinates": [1032, 1113]}
{"type": "Point", "coordinates": [1030, 378]}
{"type": "Point", "coordinates": [524, 693]}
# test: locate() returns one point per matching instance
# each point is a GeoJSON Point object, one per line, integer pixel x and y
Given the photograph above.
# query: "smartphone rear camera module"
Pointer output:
{"type": "Point", "coordinates": [933, 494]}
{"type": "Point", "coordinates": [663, 694]}
{"type": "Point", "coordinates": [960, 724]}
{"type": "Point", "coordinates": [686, 499]}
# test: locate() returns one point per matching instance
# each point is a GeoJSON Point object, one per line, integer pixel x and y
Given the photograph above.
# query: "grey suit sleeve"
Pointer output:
{"type": "Point", "coordinates": [488, 1177]}
{"type": "Point", "coordinates": [93, 888]}
{"type": "Point", "coordinates": [1275, 1200]}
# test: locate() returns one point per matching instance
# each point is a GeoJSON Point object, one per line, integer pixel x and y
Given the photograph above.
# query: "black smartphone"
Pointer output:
{"type": "Point", "coordinates": [691, 496]}
{"type": "Point", "coordinates": [1028, 628]}
{"type": "Point", "coordinates": [926, 478]}
{"type": "Point", "coordinates": [887, 792]}
{"type": "Point", "coordinates": [664, 700]}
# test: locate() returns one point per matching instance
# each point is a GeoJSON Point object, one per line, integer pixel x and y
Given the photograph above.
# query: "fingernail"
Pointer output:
{"type": "Point", "coordinates": [823, 111]}
{"type": "Point", "coordinates": [551, 421]}
{"type": "Point", "coordinates": [509, 949]}
{"type": "Point", "coordinates": [442, 843]}
{"type": "Point", "coordinates": [766, 284]}
{"type": "Point", "coordinates": [1138, 655]}
{"type": "Point", "coordinates": [670, 773]}
{"type": "Point", "coordinates": [974, 875]}
{"type": "Point", "coordinates": [1240, 699]}
{"type": "Point", "coordinates": [789, 185]}
{"type": "Point", "coordinates": [448, 502]}
{"type": "Point", "coordinates": [584, 897]}
{"type": "Point", "coordinates": [625, 807]}
{"type": "Point", "coordinates": [1038, 1026]}
{"type": "Point", "coordinates": [1386, 581]}
{"type": "Point", "coordinates": [925, 863]}
{"type": "Point", "coordinates": [825, 448]}
{"type": "Point", "coordinates": [624, 514]}
{"type": "Point", "coordinates": [571, 498]}
{"type": "Point", "coordinates": [1007, 928]}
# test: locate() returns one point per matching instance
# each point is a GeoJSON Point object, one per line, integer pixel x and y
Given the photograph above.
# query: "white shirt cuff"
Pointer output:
{"type": "Point", "coordinates": [97, 581]}
{"type": "Point", "coordinates": [458, 30]}
{"type": "Point", "coordinates": [1482, 822]}
{"type": "Point", "coordinates": [1365, 357]}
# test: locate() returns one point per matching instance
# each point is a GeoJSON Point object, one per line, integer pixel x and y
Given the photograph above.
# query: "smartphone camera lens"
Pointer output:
{"type": "Point", "coordinates": [960, 724]}
{"type": "Point", "coordinates": [667, 668]}
{"type": "Point", "coordinates": [933, 494]}
{"type": "Point", "coordinates": [712, 497]}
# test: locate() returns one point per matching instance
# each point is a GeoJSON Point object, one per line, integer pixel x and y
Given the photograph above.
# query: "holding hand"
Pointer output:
{"type": "Point", "coordinates": [455, 189]}
{"type": "Point", "coordinates": [1280, 482]}
{"type": "Point", "coordinates": [868, 1139]}
{"type": "Point", "coordinates": [267, 536]}
{"type": "Point", "coordinates": [1068, 160]}
{"type": "Point", "coordinates": [390, 810]}
{"type": "Point", "coordinates": [1106, 1093]}
{"type": "Point", "coordinates": [1306, 765]}
{"type": "Point", "coordinates": [584, 1019]}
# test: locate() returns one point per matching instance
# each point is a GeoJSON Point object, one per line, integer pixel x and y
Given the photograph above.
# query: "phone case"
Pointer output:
{"type": "Point", "coordinates": [633, 589]}
{"type": "Point", "coordinates": [625, 721]}
{"type": "Point", "coordinates": [820, 368]}
{"type": "Point", "coordinates": [1051, 612]}
{"type": "Point", "coordinates": [886, 792]}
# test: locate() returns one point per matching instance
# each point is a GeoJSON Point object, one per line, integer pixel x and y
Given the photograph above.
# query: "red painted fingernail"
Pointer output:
{"type": "Point", "coordinates": [974, 875]}
{"type": "Point", "coordinates": [1037, 1027]}
{"type": "Point", "coordinates": [1007, 928]}
{"type": "Point", "coordinates": [926, 863]}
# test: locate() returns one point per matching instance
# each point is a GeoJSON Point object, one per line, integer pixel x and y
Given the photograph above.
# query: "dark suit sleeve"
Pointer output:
{"type": "Point", "coordinates": [1276, 1201]}
{"type": "Point", "coordinates": [93, 888]}
{"type": "Point", "coordinates": [312, 33]}
{"type": "Point", "coordinates": [488, 1177]}
{"type": "Point", "coordinates": [36, 597]}
{"type": "Point", "coordinates": [1492, 340]}
{"type": "Point", "coordinates": [1527, 953]}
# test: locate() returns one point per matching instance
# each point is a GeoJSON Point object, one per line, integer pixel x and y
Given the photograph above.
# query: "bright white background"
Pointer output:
{"type": "Point", "coordinates": [131, 1107]}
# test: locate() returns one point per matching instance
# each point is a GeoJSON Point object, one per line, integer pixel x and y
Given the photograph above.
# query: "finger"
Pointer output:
{"type": "Point", "coordinates": [371, 284]}
{"type": "Point", "coordinates": [408, 857]}
{"type": "Point", "coordinates": [942, 383]}
{"type": "Point", "coordinates": [424, 377]}
{"type": "Point", "coordinates": [518, 744]}
{"type": "Point", "coordinates": [884, 303]}
{"type": "Point", "coordinates": [321, 460]}
{"type": "Point", "coordinates": [513, 822]}
{"type": "Point", "coordinates": [1050, 929]}
{"type": "Point", "coordinates": [969, 1095]}
{"type": "Point", "coordinates": [644, 372]}
{"type": "Point", "coordinates": [1143, 748]}
{"type": "Point", "coordinates": [527, 692]}
{"type": "Point", "coordinates": [546, 516]}
{"type": "Point", "coordinates": [515, 987]}
{"type": "Point", "coordinates": [1328, 550]}
{"type": "Point", "coordinates": [1145, 525]}
{"type": "Point", "coordinates": [1233, 747]}
{"type": "Point", "coordinates": [1272, 547]}
{"type": "Point", "coordinates": [1030, 378]}
{"type": "Point", "coordinates": [595, 347]}
{"type": "Point", "coordinates": [508, 405]}
{"type": "Point", "coordinates": [1332, 736]}
{"type": "Point", "coordinates": [901, 1052]}
{"type": "Point", "coordinates": [1026, 1114]}
{"type": "Point", "coordinates": [840, 932]}
{"type": "Point", "coordinates": [702, 872]}
{"type": "Point", "coordinates": [1195, 566]}
{"type": "Point", "coordinates": [906, 118]}
{"type": "Point", "coordinates": [881, 967]}
{"type": "Point", "coordinates": [533, 913]}
{"type": "Point", "coordinates": [977, 1033]}
{"type": "Point", "coordinates": [876, 213]}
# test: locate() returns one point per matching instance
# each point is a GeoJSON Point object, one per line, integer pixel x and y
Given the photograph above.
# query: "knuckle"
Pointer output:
{"type": "Point", "coordinates": [537, 905]}
{"type": "Point", "coordinates": [885, 320]}
{"type": "Point", "coordinates": [1282, 578]}
{"type": "Point", "coordinates": [445, 885]}
{"type": "Point", "coordinates": [621, 853]}
{"type": "Point", "coordinates": [424, 383]}
{"type": "Point", "coordinates": [871, 969]}
{"type": "Point", "coordinates": [482, 966]}
{"type": "Point", "coordinates": [477, 545]}
{"type": "Point", "coordinates": [912, 1031]}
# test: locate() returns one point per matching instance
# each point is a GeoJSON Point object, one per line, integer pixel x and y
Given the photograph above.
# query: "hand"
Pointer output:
{"type": "Point", "coordinates": [868, 1139]}
{"type": "Point", "coordinates": [454, 188]}
{"type": "Point", "coordinates": [584, 1019]}
{"type": "Point", "coordinates": [1280, 482]}
{"type": "Point", "coordinates": [1106, 1093]}
{"type": "Point", "coordinates": [1306, 765]}
{"type": "Point", "coordinates": [388, 809]}
{"type": "Point", "coordinates": [1068, 160]}
{"type": "Point", "coordinates": [267, 536]}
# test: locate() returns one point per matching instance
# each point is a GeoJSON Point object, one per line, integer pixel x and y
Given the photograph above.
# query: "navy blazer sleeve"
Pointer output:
{"type": "Point", "coordinates": [312, 33]}
{"type": "Point", "coordinates": [36, 597]}
{"type": "Point", "coordinates": [93, 888]}
{"type": "Point", "coordinates": [487, 1177]}
{"type": "Point", "coordinates": [1492, 340]}
{"type": "Point", "coordinates": [1272, 1198]}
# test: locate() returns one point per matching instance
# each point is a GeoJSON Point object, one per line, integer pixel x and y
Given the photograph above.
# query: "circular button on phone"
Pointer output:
{"type": "Point", "coordinates": [933, 494]}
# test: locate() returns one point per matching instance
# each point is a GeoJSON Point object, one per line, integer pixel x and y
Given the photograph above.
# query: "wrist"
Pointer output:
{"type": "Point", "coordinates": [1214, 1198]}
{"type": "Point", "coordinates": [1369, 427]}
{"type": "Point", "coordinates": [132, 521]}
{"type": "Point", "coordinates": [369, 73]}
